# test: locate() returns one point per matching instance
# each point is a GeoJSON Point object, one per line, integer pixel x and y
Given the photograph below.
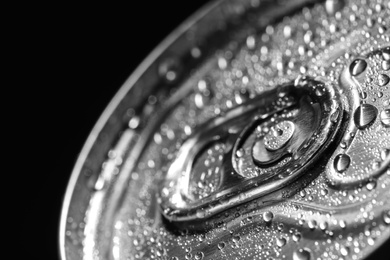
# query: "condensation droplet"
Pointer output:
{"type": "Point", "coordinates": [280, 242]}
{"type": "Point", "coordinates": [251, 42]}
{"type": "Point", "coordinates": [386, 65]}
{"type": "Point", "coordinates": [386, 217]}
{"type": "Point", "coordinates": [323, 225]}
{"type": "Point", "coordinates": [312, 224]}
{"type": "Point", "coordinates": [221, 245]}
{"type": "Point", "coordinates": [371, 185]}
{"type": "Point", "coordinates": [268, 216]}
{"type": "Point", "coordinates": [169, 69]}
{"type": "Point", "coordinates": [383, 80]}
{"type": "Point", "coordinates": [386, 53]}
{"type": "Point", "coordinates": [302, 254]}
{"type": "Point", "coordinates": [333, 6]}
{"type": "Point", "coordinates": [344, 251]}
{"type": "Point", "coordinates": [364, 115]}
{"type": "Point", "coordinates": [385, 153]}
{"type": "Point", "coordinates": [134, 122]}
{"type": "Point", "coordinates": [357, 67]}
{"type": "Point", "coordinates": [296, 237]}
{"type": "Point", "coordinates": [385, 117]}
{"type": "Point", "coordinates": [341, 162]}
{"type": "Point", "coordinates": [199, 255]}
{"type": "Point", "coordinates": [343, 224]}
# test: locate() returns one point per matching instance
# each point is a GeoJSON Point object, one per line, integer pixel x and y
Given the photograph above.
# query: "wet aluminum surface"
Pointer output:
{"type": "Point", "coordinates": [258, 130]}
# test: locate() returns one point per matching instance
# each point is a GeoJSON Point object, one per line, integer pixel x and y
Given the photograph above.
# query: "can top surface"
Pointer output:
{"type": "Point", "coordinates": [257, 130]}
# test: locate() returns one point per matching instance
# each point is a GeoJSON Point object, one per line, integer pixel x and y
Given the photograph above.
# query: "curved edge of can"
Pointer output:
{"type": "Point", "coordinates": [108, 111]}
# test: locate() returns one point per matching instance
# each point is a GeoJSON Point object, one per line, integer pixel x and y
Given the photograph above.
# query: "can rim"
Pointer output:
{"type": "Point", "coordinates": [110, 108]}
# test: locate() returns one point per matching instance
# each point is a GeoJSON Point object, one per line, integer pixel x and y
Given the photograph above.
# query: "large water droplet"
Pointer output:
{"type": "Point", "coordinates": [386, 217]}
{"type": "Point", "coordinates": [383, 80]}
{"type": "Point", "coordinates": [386, 65]}
{"type": "Point", "coordinates": [385, 153]}
{"type": "Point", "coordinates": [385, 117]}
{"type": "Point", "coordinates": [341, 162]}
{"type": "Point", "coordinates": [333, 6]}
{"type": "Point", "coordinates": [268, 216]}
{"type": "Point", "coordinates": [344, 251]}
{"type": "Point", "coordinates": [364, 115]}
{"type": "Point", "coordinates": [280, 242]}
{"type": "Point", "coordinates": [386, 53]}
{"type": "Point", "coordinates": [301, 254]}
{"type": "Point", "coordinates": [357, 67]}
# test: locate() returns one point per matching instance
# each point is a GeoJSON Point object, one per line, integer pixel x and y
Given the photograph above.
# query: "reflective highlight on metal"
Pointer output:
{"type": "Point", "coordinates": [257, 130]}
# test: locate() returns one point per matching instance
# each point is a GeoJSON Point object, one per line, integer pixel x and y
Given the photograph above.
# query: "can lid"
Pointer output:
{"type": "Point", "coordinates": [259, 129]}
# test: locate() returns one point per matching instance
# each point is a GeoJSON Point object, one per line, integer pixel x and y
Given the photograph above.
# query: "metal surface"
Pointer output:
{"type": "Point", "coordinates": [257, 130]}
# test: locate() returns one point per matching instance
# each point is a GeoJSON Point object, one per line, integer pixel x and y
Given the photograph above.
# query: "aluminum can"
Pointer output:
{"type": "Point", "coordinates": [256, 130]}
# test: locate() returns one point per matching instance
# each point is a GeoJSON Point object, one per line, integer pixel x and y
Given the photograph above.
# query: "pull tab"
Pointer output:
{"type": "Point", "coordinates": [251, 150]}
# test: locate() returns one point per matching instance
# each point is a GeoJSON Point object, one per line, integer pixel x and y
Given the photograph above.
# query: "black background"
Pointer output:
{"type": "Point", "coordinates": [70, 61]}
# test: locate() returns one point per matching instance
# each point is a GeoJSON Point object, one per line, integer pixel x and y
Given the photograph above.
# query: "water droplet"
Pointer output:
{"type": "Point", "coordinates": [287, 31]}
{"type": "Point", "coordinates": [341, 162]}
{"type": "Point", "coordinates": [199, 255]}
{"type": "Point", "coordinates": [386, 53]}
{"type": "Point", "coordinates": [196, 52]}
{"type": "Point", "coordinates": [386, 65]}
{"type": "Point", "coordinates": [385, 117]}
{"type": "Point", "coordinates": [382, 29]}
{"type": "Point", "coordinates": [280, 242]}
{"type": "Point", "coordinates": [342, 223]}
{"type": "Point", "coordinates": [268, 216]}
{"type": "Point", "coordinates": [200, 213]}
{"type": "Point", "coordinates": [323, 225]}
{"type": "Point", "coordinates": [240, 152]}
{"type": "Point", "coordinates": [344, 251]}
{"type": "Point", "coordinates": [221, 245]}
{"type": "Point", "coordinates": [357, 67]}
{"type": "Point", "coordinates": [386, 217]}
{"type": "Point", "coordinates": [302, 254]}
{"type": "Point", "coordinates": [251, 42]}
{"type": "Point", "coordinates": [333, 6]}
{"type": "Point", "coordinates": [370, 22]}
{"type": "Point", "coordinates": [241, 96]}
{"type": "Point", "coordinates": [312, 224]}
{"type": "Point", "coordinates": [385, 153]}
{"type": "Point", "coordinates": [222, 63]}
{"type": "Point", "coordinates": [296, 237]}
{"type": "Point", "coordinates": [134, 122]}
{"type": "Point", "coordinates": [383, 80]}
{"type": "Point", "coordinates": [169, 69]}
{"type": "Point", "coordinates": [364, 115]}
{"type": "Point", "coordinates": [371, 185]}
